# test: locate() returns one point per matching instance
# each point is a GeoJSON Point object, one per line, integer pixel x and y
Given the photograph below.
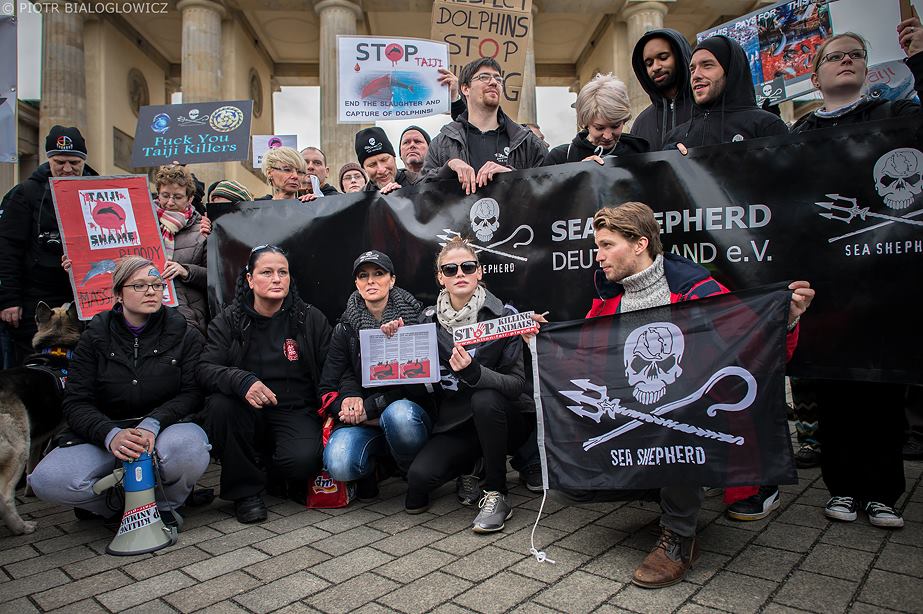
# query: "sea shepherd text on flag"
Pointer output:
{"type": "Point", "coordinates": [690, 393]}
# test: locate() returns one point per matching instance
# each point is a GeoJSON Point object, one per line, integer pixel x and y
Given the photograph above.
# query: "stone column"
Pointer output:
{"type": "Point", "coordinates": [201, 65]}
{"type": "Point", "coordinates": [337, 140]}
{"type": "Point", "coordinates": [528, 113]}
{"type": "Point", "coordinates": [64, 85]}
{"type": "Point", "coordinates": [641, 17]}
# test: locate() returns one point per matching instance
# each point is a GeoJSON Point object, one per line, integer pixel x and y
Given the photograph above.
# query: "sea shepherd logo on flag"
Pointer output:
{"type": "Point", "coordinates": [691, 393]}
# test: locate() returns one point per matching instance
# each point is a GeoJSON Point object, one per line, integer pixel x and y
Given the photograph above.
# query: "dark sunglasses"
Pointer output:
{"type": "Point", "coordinates": [451, 270]}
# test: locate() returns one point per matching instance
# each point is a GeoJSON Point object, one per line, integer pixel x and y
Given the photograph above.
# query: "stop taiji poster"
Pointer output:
{"type": "Point", "coordinates": [383, 78]}
{"type": "Point", "coordinates": [103, 219]}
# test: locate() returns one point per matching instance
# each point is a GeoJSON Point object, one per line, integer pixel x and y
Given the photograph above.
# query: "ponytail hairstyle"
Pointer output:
{"type": "Point", "coordinates": [241, 288]}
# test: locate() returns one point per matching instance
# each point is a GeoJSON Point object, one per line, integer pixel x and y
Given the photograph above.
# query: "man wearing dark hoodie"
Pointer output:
{"type": "Point", "coordinates": [30, 240]}
{"type": "Point", "coordinates": [724, 108]}
{"type": "Point", "coordinates": [483, 141]}
{"type": "Point", "coordinates": [661, 64]}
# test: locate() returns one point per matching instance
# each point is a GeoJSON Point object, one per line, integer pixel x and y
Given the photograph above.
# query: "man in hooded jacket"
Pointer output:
{"type": "Point", "coordinates": [661, 64]}
{"type": "Point", "coordinates": [724, 105]}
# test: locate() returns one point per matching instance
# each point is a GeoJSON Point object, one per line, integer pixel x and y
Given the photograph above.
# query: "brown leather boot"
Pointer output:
{"type": "Point", "coordinates": [668, 562]}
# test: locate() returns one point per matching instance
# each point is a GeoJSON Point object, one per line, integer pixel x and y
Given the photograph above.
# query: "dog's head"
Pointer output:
{"type": "Point", "coordinates": [56, 326]}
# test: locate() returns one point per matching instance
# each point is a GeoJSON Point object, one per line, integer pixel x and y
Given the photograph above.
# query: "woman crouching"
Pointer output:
{"type": "Point", "coordinates": [481, 393]}
{"type": "Point", "coordinates": [371, 422]}
{"type": "Point", "coordinates": [130, 385]}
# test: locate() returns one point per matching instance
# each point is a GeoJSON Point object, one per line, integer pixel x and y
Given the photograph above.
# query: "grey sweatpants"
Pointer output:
{"type": "Point", "coordinates": [66, 476]}
{"type": "Point", "coordinates": [681, 505]}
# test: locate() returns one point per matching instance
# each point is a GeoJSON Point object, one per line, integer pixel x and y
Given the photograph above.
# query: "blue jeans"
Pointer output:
{"type": "Point", "coordinates": [404, 429]}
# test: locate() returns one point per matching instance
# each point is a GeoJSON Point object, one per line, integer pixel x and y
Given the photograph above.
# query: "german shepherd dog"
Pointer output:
{"type": "Point", "coordinates": [30, 403]}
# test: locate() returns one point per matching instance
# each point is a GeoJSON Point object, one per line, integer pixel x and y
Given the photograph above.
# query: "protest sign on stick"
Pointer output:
{"type": "Point", "coordinates": [383, 78]}
{"type": "Point", "coordinates": [103, 219]}
{"type": "Point", "coordinates": [264, 142]}
{"type": "Point", "coordinates": [476, 31]}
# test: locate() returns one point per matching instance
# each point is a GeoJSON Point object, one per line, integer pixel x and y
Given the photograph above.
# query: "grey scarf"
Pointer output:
{"type": "Point", "coordinates": [401, 304]}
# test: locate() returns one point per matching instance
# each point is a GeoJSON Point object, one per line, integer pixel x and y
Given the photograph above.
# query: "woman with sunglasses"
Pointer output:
{"type": "Point", "coordinates": [131, 387]}
{"type": "Point", "coordinates": [860, 458]}
{"type": "Point", "coordinates": [261, 370]}
{"type": "Point", "coordinates": [372, 424]}
{"type": "Point", "coordinates": [480, 397]}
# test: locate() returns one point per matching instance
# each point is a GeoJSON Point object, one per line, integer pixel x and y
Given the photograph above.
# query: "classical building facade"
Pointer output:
{"type": "Point", "coordinates": [99, 68]}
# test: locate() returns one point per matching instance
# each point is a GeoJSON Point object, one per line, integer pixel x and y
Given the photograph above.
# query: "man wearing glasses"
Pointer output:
{"type": "Point", "coordinates": [483, 141]}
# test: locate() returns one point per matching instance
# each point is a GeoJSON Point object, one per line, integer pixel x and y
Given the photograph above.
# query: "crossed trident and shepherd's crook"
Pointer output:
{"type": "Point", "coordinates": [489, 248]}
{"type": "Point", "coordinates": [855, 211]}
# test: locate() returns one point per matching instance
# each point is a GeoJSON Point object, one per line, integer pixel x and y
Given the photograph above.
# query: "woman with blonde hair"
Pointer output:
{"type": "Point", "coordinates": [284, 169]}
{"type": "Point", "coordinates": [603, 108]}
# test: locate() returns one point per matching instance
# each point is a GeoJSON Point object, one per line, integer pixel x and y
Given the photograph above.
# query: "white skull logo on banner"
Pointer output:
{"type": "Point", "coordinates": [485, 218]}
{"type": "Point", "coordinates": [898, 177]}
{"type": "Point", "coordinates": [653, 353]}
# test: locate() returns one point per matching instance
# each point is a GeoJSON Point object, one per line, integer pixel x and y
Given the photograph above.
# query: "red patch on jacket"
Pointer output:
{"type": "Point", "coordinates": [291, 350]}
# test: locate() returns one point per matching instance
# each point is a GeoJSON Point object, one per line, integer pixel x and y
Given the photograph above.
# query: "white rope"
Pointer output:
{"type": "Point", "coordinates": [539, 555]}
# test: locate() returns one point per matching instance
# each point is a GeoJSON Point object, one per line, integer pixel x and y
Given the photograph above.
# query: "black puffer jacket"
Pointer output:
{"type": "Point", "coordinates": [229, 336]}
{"type": "Point", "coordinates": [870, 109]}
{"type": "Point", "coordinates": [496, 365]}
{"type": "Point", "coordinates": [581, 148]}
{"type": "Point", "coordinates": [30, 245]}
{"type": "Point", "coordinates": [733, 116]}
{"type": "Point", "coordinates": [116, 376]}
{"type": "Point", "coordinates": [657, 120]}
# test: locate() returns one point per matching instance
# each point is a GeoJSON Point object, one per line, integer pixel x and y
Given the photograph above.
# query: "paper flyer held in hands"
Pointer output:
{"type": "Point", "coordinates": [410, 356]}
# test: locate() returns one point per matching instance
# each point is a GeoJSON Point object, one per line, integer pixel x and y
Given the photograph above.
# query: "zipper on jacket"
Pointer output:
{"type": "Point", "coordinates": [136, 351]}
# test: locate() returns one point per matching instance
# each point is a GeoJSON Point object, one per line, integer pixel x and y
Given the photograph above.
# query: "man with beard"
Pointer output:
{"type": "Point", "coordinates": [724, 105]}
{"type": "Point", "coordinates": [483, 141]}
{"type": "Point", "coordinates": [413, 148]}
{"type": "Point", "coordinates": [661, 64]}
{"type": "Point", "coordinates": [30, 240]}
{"type": "Point", "coordinates": [376, 155]}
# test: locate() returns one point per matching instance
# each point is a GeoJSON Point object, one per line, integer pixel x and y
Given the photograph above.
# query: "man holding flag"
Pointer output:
{"type": "Point", "coordinates": [636, 274]}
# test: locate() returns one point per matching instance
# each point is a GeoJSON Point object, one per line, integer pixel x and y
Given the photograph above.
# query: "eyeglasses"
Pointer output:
{"type": "Point", "coordinates": [139, 288]}
{"type": "Point", "coordinates": [451, 269]}
{"type": "Point", "coordinates": [288, 170]}
{"type": "Point", "coordinates": [174, 197]}
{"type": "Point", "coordinates": [837, 56]}
{"type": "Point", "coordinates": [485, 77]}
{"type": "Point", "coordinates": [353, 177]}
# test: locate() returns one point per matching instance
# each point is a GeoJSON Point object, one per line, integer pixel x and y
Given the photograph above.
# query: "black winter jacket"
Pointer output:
{"type": "Point", "coordinates": [526, 150]}
{"type": "Point", "coordinates": [496, 365]}
{"type": "Point", "coordinates": [30, 245]}
{"type": "Point", "coordinates": [870, 109]}
{"type": "Point", "coordinates": [733, 116]}
{"type": "Point", "coordinates": [581, 148]}
{"type": "Point", "coordinates": [115, 376]}
{"type": "Point", "coordinates": [657, 120]}
{"type": "Point", "coordinates": [229, 335]}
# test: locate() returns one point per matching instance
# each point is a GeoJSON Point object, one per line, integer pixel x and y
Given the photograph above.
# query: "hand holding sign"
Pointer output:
{"type": "Point", "coordinates": [459, 359]}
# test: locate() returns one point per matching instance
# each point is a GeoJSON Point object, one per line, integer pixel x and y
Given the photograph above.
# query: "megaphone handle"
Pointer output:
{"type": "Point", "coordinates": [107, 482]}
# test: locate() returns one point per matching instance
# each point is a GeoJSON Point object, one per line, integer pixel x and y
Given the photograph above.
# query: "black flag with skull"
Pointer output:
{"type": "Point", "coordinates": [690, 393]}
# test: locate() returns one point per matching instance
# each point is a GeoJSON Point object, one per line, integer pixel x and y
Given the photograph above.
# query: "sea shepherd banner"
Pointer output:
{"type": "Point", "coordinates": [840, 208]}
{"type": "Point", "coordinates": [691, 393]}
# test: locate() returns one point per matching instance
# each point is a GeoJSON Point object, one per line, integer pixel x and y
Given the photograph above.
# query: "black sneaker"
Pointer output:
{"type": "Point", "coordinates": [808, 456]}
{"type": "Point", "coordinates": [885, 516]}
{"type": "Point", "coordinates": [468, 487]}
{"type": "Point", "coordinates": [531, 476]}
{"type": "Point", "coordinates": [756, 507]}
{"type": "Point", "coordinates": [844, 509]}
{"type": "Point", "coordinates": [367, 487]}
{"type": "Point", "coordinates": [416, 503]}
{"type": "Point", "coordinates": [251, 509]}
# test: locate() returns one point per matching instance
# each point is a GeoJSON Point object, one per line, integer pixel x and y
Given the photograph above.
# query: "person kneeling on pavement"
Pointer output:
{"type": "Point", "coordinates": [261, 369]}
{"type": "Point", "coordinates": [373, 425]}
{"type": "Point", "coordinates": [131, 385]}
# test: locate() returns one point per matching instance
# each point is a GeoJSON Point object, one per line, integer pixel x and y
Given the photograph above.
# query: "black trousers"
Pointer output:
{"type": "Point", "coordinates": [496, 428]}
{"type": "Point", "coordinates": [251, 443]}
{"type": "Point", "coordinates": [863, 427]}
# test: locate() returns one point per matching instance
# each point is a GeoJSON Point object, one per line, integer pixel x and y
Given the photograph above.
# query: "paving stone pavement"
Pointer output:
{"type": "Point", "coordinates": [372, 557]}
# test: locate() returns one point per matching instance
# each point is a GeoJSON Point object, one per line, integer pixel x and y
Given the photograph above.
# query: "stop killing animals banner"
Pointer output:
{"type": "Point", "coordinates": [383, 78]}
{"type": "Point", "coordinates": [103, 219]}
{"type": "Point", "coordinates": [841, 208]}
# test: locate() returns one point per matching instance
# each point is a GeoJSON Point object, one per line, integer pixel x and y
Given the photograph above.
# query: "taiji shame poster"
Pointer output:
{"type": "Point", "coordinates": [382, 78]}
{"type": "Point", "coordinates": [103, 219]}
{"type": "Point", "coordinates": [192, 133]}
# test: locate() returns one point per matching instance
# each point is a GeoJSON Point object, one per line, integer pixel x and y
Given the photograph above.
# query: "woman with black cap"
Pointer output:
{"type": "Point", "coordinates": [371, 422]}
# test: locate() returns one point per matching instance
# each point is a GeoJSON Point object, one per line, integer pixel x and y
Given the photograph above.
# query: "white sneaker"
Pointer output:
{"type": "Point", "coordinates": [842, 508]}
{"type": "Point", "coordinates": [881, 515]}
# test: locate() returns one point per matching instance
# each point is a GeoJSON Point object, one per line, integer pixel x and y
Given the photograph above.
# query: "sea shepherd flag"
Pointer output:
{"type": "Point", "coordinates": [690, 393]}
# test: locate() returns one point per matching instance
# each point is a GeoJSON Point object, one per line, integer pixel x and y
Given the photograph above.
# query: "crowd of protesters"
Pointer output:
{"type": "Point", "coordinates": [251, 385]}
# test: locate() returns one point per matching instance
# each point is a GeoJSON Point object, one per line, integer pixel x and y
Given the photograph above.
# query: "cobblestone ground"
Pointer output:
{"type": "Point", "coordinates": [373, 557]}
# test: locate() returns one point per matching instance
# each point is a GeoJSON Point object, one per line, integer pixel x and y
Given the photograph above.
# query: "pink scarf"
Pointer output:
{"type": "Point", "coordinates": [171, 222]}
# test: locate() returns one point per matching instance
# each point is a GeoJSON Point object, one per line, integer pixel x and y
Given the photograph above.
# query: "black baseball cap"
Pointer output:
{"type": "Point", "coordinates": [375, 257]}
